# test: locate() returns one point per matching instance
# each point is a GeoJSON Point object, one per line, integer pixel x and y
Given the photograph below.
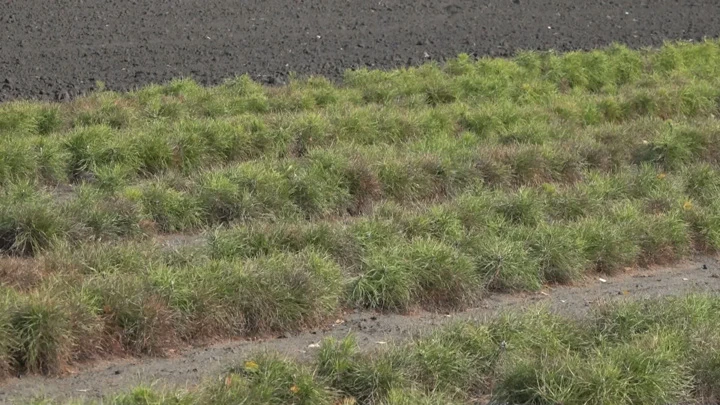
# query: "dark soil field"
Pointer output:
{"type": "Point", "coordinates": [57, 50]}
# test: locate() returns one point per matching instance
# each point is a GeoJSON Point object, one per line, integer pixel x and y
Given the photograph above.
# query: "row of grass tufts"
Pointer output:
{"type": "Point", "coordinates": [142, 297]}
{"type": "Point", "coordinates": [634, 352]}
{"type": "Point", "coordinates": [340, 182]}
{"type": "Point", "coordinates": [183, 127]}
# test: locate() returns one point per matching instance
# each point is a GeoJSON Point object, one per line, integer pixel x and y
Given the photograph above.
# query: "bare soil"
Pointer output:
{"type": "Point", "coordinates": [59, 49]}
{"type": "Point", "coordinates": [189, 367]}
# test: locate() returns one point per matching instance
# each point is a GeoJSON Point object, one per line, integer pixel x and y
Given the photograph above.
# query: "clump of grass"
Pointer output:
{"type": "Point", "coordinates": [28, 221]}
{"type": "Point", "coordinates": [704, 223]}
{"type": "Point", "coordinates": [419, 272]}
{"type": "Point", "coordinates": [702, 182]}
{"type": "Point", "coordinates": [504, 264]}
{"type": "Point", "coordinates": [609, 247]}
{"type": "Point", "coordinates": [17, 161]}
{"type": "Point", "coordinates": [245, 95]}
{"type": "Point", "coordinates": [571, 204]}
{"type": "Point", "coordinates": [137, 318]}
{"type": "Point", "coordinates": [559, 253]}
{"type": "Point", "coordinates": [113, 178]}
{"type": "Point", "coordinates": [154, 153]}
{"type": "Point", "coordinates": [103, 216]}
{"type": "Point", "coordinates": [384, 284]}
{"type": "Point", "coordinates": [144, 395]}
{"type": "Point", "coordinates": [103, 108]}
{"type": "Point", "coordinates": [537, 330]}
{"type": "Point", "coordinates": [309, 131]}
{"type": "Point", "coordinates": [455, 360]}
{"type": "Point", "coordinates": [23, 119]}
{"type": "Point", "coordinates": [524, 207]}
{"type": "Point", "coordinates": [288, 291]}
{"type": "Point", "coordinates": [675, 146]}
{"type": "Point", "coordinates": [129, 257]}
{"type": "Point", "coordinates": [269, 379]}
{"type": "Point", "coordinates": [321, 187]}
{"type": "Point", "coordinates": [171, 210]}
{"type": "Point", "coordinates": [247, 241]}
{"type": "Point", "coordinates": [411, 179]}
{"type": "Point", "coordinates": [87, 148]}
{"type": "Point", "coordinates": [41, 330]}
{"type": "Point", "coordinates": [665, 238]}
{"type": "Point", "coordinates": [638, 372]}
{"type": "Point", "coordinates": [409, 396]}
{"type": "Point", "coordinates": [364, 379]}
{"type": "Point", "coordinates": [439, 222]}
{"type": "Point", "coordinates": [269, 238]}
{"type": "Point", "coordinates": [244, 192]}
{"type": "Point", "coordinates": [446, 278]}
{"type": "Point", "coordinates": [374, 232]}
{"type": "Point", "coordinates": [476, 210]}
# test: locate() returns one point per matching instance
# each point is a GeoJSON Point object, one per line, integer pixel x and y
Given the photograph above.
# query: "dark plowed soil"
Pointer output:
{"type": "Point", "coordinates": [58, 49]}
{"type": "Point", "coordinates": [372, 330]}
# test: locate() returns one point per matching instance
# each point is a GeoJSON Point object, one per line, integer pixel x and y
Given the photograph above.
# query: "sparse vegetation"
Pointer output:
{"type": "Point", "coordinates": [177, 213]}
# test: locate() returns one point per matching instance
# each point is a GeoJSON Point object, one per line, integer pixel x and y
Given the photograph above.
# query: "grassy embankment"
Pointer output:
{"type": "Point", "coordinates": [413, 188]}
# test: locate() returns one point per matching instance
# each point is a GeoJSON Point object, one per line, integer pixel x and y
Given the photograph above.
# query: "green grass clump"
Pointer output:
{"type": "Point", "coordinates": [137, 318]}
{"type": "Point", "coordinates": [286, 292]}
{"type": "Point", "coordinates": [244, 192]}
{"type": "Point", "coordinates": [22, 119]}
{"type": "Point", "coordinates": [559, 253]}
{"type": "Point", "coordinates": [384, 284]}
{"type": "Point", "coordinates": [169, 209]}
{"type": "Point", "coordinates": [522, 208]}
{"type": "Point", "coordinates": [321, 186]}
{"type": "Point", "coordinates": [268, 238]}
{"type": "Point", "coordinates": [356, 376]}
{"type": "Point", "coordinates": [440, 222]}
{"type": "Point", "coordinates": [609, 246]}
{"type": "Point", "coordinates": [638, 372]}
{"type": "Point", "coordinates": [268, 379]}
{"type": "Point", "coordinates": [130, 257]}
{"type": "Point", "coordinates": [504, 264]}
{"type": "Point", "coordinates": [101, 216]}
{"type": "Point", "coordinates": [28, 222]}
{"type": "Point", "coordinates": [42, 334]}
{"type": "Point", "coordinates": [454, 360]}
{"type": "Point", "coordinates": [419, 272]}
